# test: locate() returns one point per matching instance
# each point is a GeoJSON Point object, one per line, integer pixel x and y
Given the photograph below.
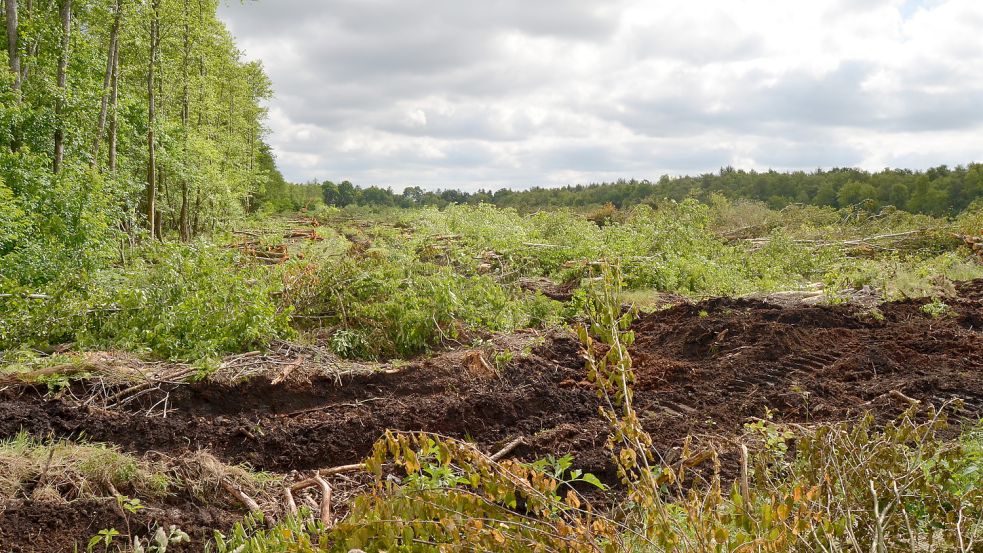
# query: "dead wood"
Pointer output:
{"type": "Point", "coordinates": [241, 496]}
{"type": "Point", "coordinates": [325, 506]}
{"type": "Point", "coordinates": [287, 370]}
{"type": "Point", "coordinates": [343, 469]}
{"type": "Point", "coordinates": [500, 454]}
{"type": "Point", "coordinates": [289, 500]}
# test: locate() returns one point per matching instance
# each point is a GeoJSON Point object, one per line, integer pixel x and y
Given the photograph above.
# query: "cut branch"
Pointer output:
{"type": "Point", "coordinates": [500, 454]}
{"type": "Point", "coordinates": [240, 495]}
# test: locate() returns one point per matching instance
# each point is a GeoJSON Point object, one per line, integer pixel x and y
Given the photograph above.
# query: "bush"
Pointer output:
{"type": "Point", "coordinates": [181, 302]}
{"type": "Point", "coordinates": [390, 304]}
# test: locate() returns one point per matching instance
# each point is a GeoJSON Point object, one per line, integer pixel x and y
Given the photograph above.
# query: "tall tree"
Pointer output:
{"type": "Point", "coordinates": [63, 53]}
{"type": "Point", "coordinates": [152, 120]}
{"type": "Point", "coordinates": [183, 222]}
{"type": "Point", "coordinates": [107, 82]}
{"type": "Point", "coordinates": [114, 111]}
{"type": "Point", "coordinates": [13, 46]}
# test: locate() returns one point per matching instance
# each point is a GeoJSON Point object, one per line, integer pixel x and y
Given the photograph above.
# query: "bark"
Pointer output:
{"type": "Point", "coordinates": [113, 119]}
{"type": "Point", "coordinates": [66, 37]}
{"type": "Point", "coordinates": [151, 121]}
{"type": "Point", "coordinates": [185, 114]}
{"type": "Point", "coordinates": [13, 51]}
{"type": "Point", "coordinates": [107, 83]}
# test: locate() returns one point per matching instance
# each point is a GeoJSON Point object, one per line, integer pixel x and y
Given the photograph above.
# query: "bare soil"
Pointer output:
{"type": "Point", "coordinates": [705, 368]}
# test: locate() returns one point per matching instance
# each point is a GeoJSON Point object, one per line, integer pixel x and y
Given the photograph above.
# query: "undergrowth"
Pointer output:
{"type": "Point", "coordinates": [403, 282]}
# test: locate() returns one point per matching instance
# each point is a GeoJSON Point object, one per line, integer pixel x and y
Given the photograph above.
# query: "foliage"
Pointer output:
{"type": "Point", "coordinates": [63, 216]}
{"type": "Point", "coordinates": [177, 301]}
{"type": "Point", "coordinates": [938, 191]}
{"type": "Point", "coordinates": [393, 306]}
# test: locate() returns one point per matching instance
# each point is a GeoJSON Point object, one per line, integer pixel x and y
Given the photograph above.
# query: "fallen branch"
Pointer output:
{"type": "Point", "coordinates": [247, 501]}
{"type": "Point", "coordinates": [343, 469]}
{"type": "Point", "coordinates": [897, 395]}
{"type": "Point", "coordinates": [289, 369]}
{"type": "Point", "coordinates": [149, 383]}
{"type": "Point", "coordinates": [325, 501]}
{"type": "Point", "coordinates": [289, 500]}
{"type": "Point", "coordinates": [500, 454]}
{"type": "Point", "coordinates": [325, 506]}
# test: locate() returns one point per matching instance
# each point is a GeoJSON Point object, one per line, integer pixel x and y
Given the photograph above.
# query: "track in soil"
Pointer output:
{"type": "Point", "coordinates": [706, 368]}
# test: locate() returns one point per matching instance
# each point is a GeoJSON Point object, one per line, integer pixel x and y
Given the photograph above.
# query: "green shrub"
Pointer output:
{"type": "Point", "coordinates": [391, 304]}
{"type": "Point", "coordinates": [182, 302]}
{"type": "Point", "coordinates": [187, 302]}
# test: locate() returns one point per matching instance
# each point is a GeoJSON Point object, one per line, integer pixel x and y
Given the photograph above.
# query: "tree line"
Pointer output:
{"type": "Point", "coordinates": [122, 118]}
{"type": "Point", "coordinates": [937, 191]}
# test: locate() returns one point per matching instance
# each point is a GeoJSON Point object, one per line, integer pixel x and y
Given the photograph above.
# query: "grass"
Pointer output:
{"type": "Point", "coordinates": [66, 470]}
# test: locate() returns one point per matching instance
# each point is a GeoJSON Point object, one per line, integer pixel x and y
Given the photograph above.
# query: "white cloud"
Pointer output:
{"type": "Point", "coordinates": [443, 93]}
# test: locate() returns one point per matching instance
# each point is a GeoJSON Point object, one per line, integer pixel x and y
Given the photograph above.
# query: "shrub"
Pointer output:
{"type": "Point", "coordinates": [181, 302]}
{"type": "Point", "coordinates": [186, 302]}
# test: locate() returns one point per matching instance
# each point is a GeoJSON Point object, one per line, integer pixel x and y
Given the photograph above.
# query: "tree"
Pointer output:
{"type": "Point", "coordinates": [108, 82]}
{"type": "Point", "coordinates": [63, 53]}
{"type": "Point", "coordinates": [855, 192]}
{"type": "Point", "coordinates": [329, 192]}
{"type": "Point", "coordinates": [13, 47]}
{"type": "Point", "coordinates": [347, 194]}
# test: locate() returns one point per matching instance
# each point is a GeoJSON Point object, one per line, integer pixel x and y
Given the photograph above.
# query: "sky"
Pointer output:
{"type": "Point", "coordinates": [473, 94]}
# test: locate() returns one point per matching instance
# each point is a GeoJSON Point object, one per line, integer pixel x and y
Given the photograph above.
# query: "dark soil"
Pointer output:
{"type": "Point", "coordinates": [705, 368]}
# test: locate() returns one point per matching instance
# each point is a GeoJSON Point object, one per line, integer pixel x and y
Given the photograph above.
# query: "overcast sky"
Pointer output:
{"type": "Point", "coordinates": [491, 93]}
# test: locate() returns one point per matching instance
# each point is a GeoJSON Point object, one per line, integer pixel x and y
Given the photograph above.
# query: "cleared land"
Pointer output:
{"type": "Point", "coordinates": [703, 369]}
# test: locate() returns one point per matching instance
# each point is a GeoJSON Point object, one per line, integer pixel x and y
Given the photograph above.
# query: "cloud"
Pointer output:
{"type": "Point", "coordinates": [443, 93]}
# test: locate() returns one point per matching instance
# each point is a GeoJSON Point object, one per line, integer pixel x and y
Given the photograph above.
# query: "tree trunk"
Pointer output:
{"type": "Point", "coordinates": [13, 51]}
{"type": "Point", "coordinates": [66, 37]}
{"type": "Point", "coordinates": [107, 83]}
{"type": "Point", "coordinates": [185, 115]}
{"type": "Point", "coordinates": [31, 50]}
{"type": "Point", "coordinates": [113, 119]}
{"type": "Point", "coordinates": [151, 121]}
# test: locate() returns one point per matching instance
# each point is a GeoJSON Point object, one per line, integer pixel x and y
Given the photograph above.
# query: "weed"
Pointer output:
{"type": "Point", "coordinates": [937, 309]}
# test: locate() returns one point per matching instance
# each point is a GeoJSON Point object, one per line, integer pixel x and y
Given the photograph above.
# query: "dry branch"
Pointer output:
{"type": "Point", "coordinates": [240, 495]}
{"type": "Point", "coordinates": [289, 500]}
{"type": "Point", "coordinates": [287, 370]}
{"type": "Point", "coordinates": [343, 469]}
{"type": "Point", "coordinates": [500, 454]}
{"type": "Point", "coordinates": [325, 506]}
